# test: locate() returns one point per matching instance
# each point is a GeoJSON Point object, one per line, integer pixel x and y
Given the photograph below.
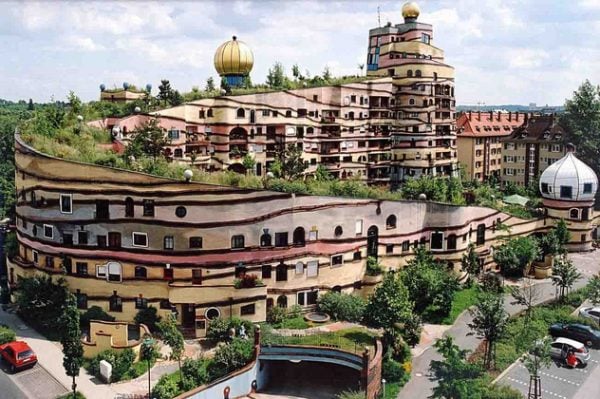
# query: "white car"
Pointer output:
{"type": "Point", "coordinates": [590, 313]}
{"type": "Point", "coordinates": [561, 346]}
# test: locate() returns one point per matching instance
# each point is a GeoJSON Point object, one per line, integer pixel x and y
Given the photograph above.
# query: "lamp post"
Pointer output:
{"type": "Point", "coordinates": [3, 270]}
{"type": "Point", "coordinates": [383, 383]}
{"type": "Point", "coordinates": [147, 345]}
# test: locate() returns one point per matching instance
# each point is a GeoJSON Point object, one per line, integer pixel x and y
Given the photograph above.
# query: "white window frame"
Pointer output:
{"type": "Point", "coordinates": [305, 294]}
{"type": "Point", "coordinates": [115, 266]}
{"type": "Point", "coordinates": [133, 244]}
{"type": "Point", "coordinates": [101, 271]}
{"type": "Point", "coordinates": [312, 268]}
{"type": "Point", "coordinates": [335, 256]}
{"type": "Point", "coordinates": [208, 309]}
{"type": "Point", "coordinates": [358, 227]}
{"type": "Point", "coordinates": [299, 268]}
{"type": "Point", "coordinates": [70, 196]}
{"type": "Point", "coordinates": [51, 236]}
{"type": "Point", "coordinates": [313, 235]}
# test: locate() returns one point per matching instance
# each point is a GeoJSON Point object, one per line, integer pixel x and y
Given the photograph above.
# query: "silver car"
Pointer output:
{"type": "Point", "coordinates": [590, 313]}
{"type": "Point", "coordinates": [561, 347]}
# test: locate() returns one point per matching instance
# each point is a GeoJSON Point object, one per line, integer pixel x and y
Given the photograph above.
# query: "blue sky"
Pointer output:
{"type": "Point", "coordinates": [503, 51]}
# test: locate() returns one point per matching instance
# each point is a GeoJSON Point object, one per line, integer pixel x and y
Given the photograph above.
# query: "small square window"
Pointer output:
{"type": "Point", "coordinates": [389, 248]}
{"type": "Point", "coordinates": [82, 237]}
{"type": "Point", "coordinates": [544, 188]}
{"type": "Point", "coordinates": [237, 242]}
{"type": "Point", "coordinates": [248, 309]}
{"type": "Point", "coordinates": [566, 192]}
{"type": "Point", "coordinates": [437, 241]}
{"type": "Point", "coordinates": [148, 207]}
{"type": "Point", "coordinates": [405, 245]}
{"type": "Point", "coordinates": [168, 274]}
{"type": "Point", "coordinates": [140, 239]}
{"type": "Point", "coordinates": [48, 231]}
{"type": "Point", "coordinates": [101, 271]}
{"type": "Point", "coordinates": [82, 268]}
{"type": "Point", "coordinates": [195, 242]}
{"type": "Point", "coordinates": [337, 260]}
{"type": "Point", "coordinates": [299, 268]}
{"type": "Point", "coordinates": [169, 242]}
{"type": "Point", "coordinates": [141, 303]}
{"type": "Point", "coordinates": [587, 188]}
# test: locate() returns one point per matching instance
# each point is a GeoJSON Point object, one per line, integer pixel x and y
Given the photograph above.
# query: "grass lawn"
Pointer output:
{"type": "Point", "coordinates": [463, 299]}
{"type": "Point", "coordinates": [352, 339]}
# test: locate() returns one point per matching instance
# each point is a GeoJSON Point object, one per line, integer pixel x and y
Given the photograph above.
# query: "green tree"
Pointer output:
{"type": "Point", "coordinates": [165, 91]}
{"type": "Point", "coordinates": [322, 174]}
{"type": "Point", "coordinates": [249, 163]}
{"type": "Point", "coordinates": [296, 72]}
{"type": "Point", "coordinates": [527, 295]}
{"type": "Point", "coordinates": [71, 341]}
{"type": "Point", "coordinates": [149, 317]}
{"type": "Point", "coordinates": [210, 85]}
{"type": "Point", "coordinates": [471, 264]}
{"type": "Point", "coordinates": [30, 106]}
{"type": "Point", "coordinates": [582, 122]}
{"type": "Point", "coordinates": [516, 254]}
{"type": "Point", "coordinates": [171, 335]}
{"type": "Point", "coordinates": [231, 357]}
{"type": "Point", "coordinates": [276, 78]}
{"type": "Point", "coordinates": [537, 358]}
{"type": "Point", "coordinates": [489, 321]}
{"type": "Point", "coordinates": [148, 139]}
{"type": "Point", "coordinates": [289, 164]}
{"type": "Point", "coordinates": [327, 74]}
{"type": "Point", "coordinates": [561, 230]}
{"type": "Point", "coordinates": [75, 104]}
{"type": "Point", "coordinates": [389, 304]}
{"type": "Point", "coordinates": [175, 98]}
{"type": "Point", "coordinates": [342, 306]}
{"type": "Point", "coordinates": [565, 274]}
{"type": "Point", "coordinates": [593, 290]}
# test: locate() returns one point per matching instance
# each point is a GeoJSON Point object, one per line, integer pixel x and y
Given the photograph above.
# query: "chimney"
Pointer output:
{"type": "Point", "coordinates": [469, 115]}
{"type": "Point", "coordinates": [526, 118]}
{"type": "Point", "coordinates": [491, 116]}
{"type": "Point", "coordinates": [479, 116]}
{"type": "Point", "coordinates": [499, 116]}
{"type": "Point", "coordinates": [517, 116]}
{"type": "Point", "coordinates": [552, 118]}
{"type": "Point", "coordinates": [510, 116]}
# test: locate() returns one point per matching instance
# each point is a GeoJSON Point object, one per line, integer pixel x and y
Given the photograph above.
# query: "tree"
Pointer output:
{"type": "Point", "coordinates": [489, 321]}
{"type": "Point", "coordinates": [148, 139]}
{"type": "Point", "coordinates": [342, 306]}
{"type": "Point", "coordinates": [389, 304]}
{"type": "Point", "coordinates": [164, 91]}
{"type": "Point", "coordinates": [276, 77]}
{"type": "Point", "coordinates": [210, 84]}
{"type": "Point", "coordinates": [593, 290]}
{"type": "Point", "coordinates": [289, 163]}
{"type": "Point", "coordinates": [536, 358]}
{"type": "Point", "coordinates": [582, 122]}
{"type": "Point", "coordinates": [361, 66]}
{"type": "Point", "coordinates": [322, 174]}
{"type": "Point", "coordinates": [527, 295]}
{"type": "Point", "coordinates": [175, 98]}
{"type": "Point", "coordinates": [172, 337]}
{"type": "Point", "coordinates": [296, 72]}
{"type": "Point", "coordinates": [471, 264]}
{"type": "Point", "coordinates": [149, 317]}
{"type": "Point", "coordinates": [562, 233]}
{"type": "Point", "coordinates": [30, 106]}
{"type": "Point", "coordinates": [327, 74]}
{"type": "Point", "coordinates": [231, 357]}
{"type": "Point", "coordinates": [516, 254]}
{"type": "Point", "coordinates": [71, 341]}
{"type": "Point", "coordinates": [249, 163]}
{"type": "Point", "coordinates": [565, 274]}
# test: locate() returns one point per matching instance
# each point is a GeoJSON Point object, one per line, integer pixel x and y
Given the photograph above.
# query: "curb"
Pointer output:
{"type": "Point", "coordinates": [506, 370]}
{"type": "Point", "coordinates": [68, 389]}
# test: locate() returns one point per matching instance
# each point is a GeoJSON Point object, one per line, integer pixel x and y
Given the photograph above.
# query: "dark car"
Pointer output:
{"type": "Point", "coordinates": [18, 355]}
{"type": "Point", "coordinates": [577, 332]}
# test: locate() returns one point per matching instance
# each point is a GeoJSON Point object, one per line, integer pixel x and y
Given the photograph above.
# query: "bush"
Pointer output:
{"type": "Point", "coordinates": [6, 335]}
{"type": "Point", "coordinates": [342, 306]}
{"type": "Point", "coordinates": [148, 316]}
{"type": "Point", "coordinates": [491, 282]}
{"type": "Point", "coordinates": [121, 363]}
{"type": "Point", "coordinates": [218, 329]}
{"type": "Point", "coordinates": [195, 373]}
{"type": "Point", "coordinates": [247, 281]}
{"type": "Point", "coordinates": [276, 315]}
{"type": "Point", "coordinates": [351, 395]}
{"type": "Point", "coordinates": [94, 313]}
{"type": "Point", "coordinates": [290, 317]}
{"type": "Point", "coordinates": [374, 268]}
{"type": "Point", "coordinates": [394, 372]}
{"type": "Point", "coordinates": [167, 387]}
{"type": "Point", "coordinates": [230, 357]}
{"type": "Point", "coordinates": [294, 311]}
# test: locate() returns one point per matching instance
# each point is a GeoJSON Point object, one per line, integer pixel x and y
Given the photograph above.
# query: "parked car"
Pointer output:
{"type": "Point", "coordinates": [578, 332]}
{"type": "Point", "coordinates": [591, 313]}
{"type": "Point", "coordinates": [18, 355]}
{"type": "Point", "coordinates": [561, 347]}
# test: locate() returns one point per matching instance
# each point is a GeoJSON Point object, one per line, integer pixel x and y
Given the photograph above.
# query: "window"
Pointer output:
{"type": "Point", "coordinates": [545, 188]}
{"type": "Point", "coordinates": [212, 313]}
{"type": "Point", "coordinates": [140, 272]}
{"type": "Point", "coordinates": [35, 256]}
{"type": "Point", "coordinates": [566, 192]}
{"type": "Point", "coordinates": [82, 302]}
{"type": "Point", "coordinates": [114, 239]}
{"type": "Point", "coordinates": [164, 304]}
{"type": "Point", "coordinates": [358, 227]}
{"type": "Point", "coordinates": [337, 260]}
{"type": "Point", "coordinates": [389, 249]}
{"type": "Point", "coordinates": [66, 203]}
{"type": "Point", "coordinates": [299, 268]}
{"type": "Point", "coordinates": [201, 114]}
{"type": "Point", "coordinates": [50, 262]}
{"type": "Point", "coordinates": [480, 234]}
{"type": "Point", "coordinates": [390, 222]}
{"type": "Point", "coordinates": [209, 113]}
{"type": "Point", "coordinates": [312, 268]}
{"type": "Point", "coordinates": [180, 211]}
{"type": "Point", "coordinates": [148, 207]}
{"type": "Point", "coordinates": [140, 239]}
{"type": "Point", "coordinates": [197, 276]}
{"type": "Point", "coordinates": [266, 271]}
{"type": "Point", "coordinates": [405, 245]}
{"type": "Point", "coordinates": [418, 73]}
{"type": "Point", "coordinates": [173, 134]}
{"type": "Point", "coordinates": [168, 274]}
{"type": "Point", "coordinates": [114, 271]}
{"type": "Point", "coordinates": [299, 236]}
{"type": "Point", "coordinates": [48, 231]}
{"type": "Point", "coordinates": [115, 303]}
{"type": "Point", "coordinates": [409, 73]}
{"type": "Point", "coordinates": [129, 207]}
{"type": "Point", "coordinates": [241, 113]}
{"type": "Point", "coordinates": [437, 241]}
{"type": "Point", "coordinates": [281, 272]}
{"type": "Point", "coordinates": [81, 268]}
{"type": "Point", "coordinates": [195, 242]}
{"type": "Point", "coordinates": [411, 101]}
{"type": "Point", "coordinates": [102, 209]}
{"type": "Point", "coordinates": [587, 188]}
{"type": "Point", "coordinates": [307, 298]}
{"type": "Point", "coordinates": [248, 309]}
{"type": "Point", "coordinates": [451, 242]}
{"type": "Point", "coordinates": [281, 239]}
{"type": "Point", "coordinates": [574, 213]}
{"type": "Point", "coordinates": [237, 242]}
{"type": "Point", "coordinates": [141, 303]}
{"type": "Point", "coordinates": [265, 239]}
{"type": "Point", "coordinates": [169, 243]}
{"type": "Point", "coordinates": [338, 231]}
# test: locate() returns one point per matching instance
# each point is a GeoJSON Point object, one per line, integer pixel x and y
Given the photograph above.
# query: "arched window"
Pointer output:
{"type": "Point", "coordinates": [209, 113]}
{"type": "Point", "coordinates": [574, 213]}
{"type": "Point", "coordinates": [411, 101]}
{"type": "Point", "coordinates": [288, 114]}
{"type": "Point", "coordinates": [115, 271]}
{"type": "Point", "coordinates": [238, 133]}
{"type": "Point", "coordinates": [241, 113]}
{"type": "Point", "coordinates": [140, 272]}
{"type": "Point", "coordinates": [451, 242]}
{"type": "Point", "coordinates": [265, 240]}
{"type": "Point", "coordinates": [115, 303]}
{"type": "Point", "coordinates": [418, 73]}
{"type": "Point", "coordinates": [409, 73]}
{"type": "Point", "coordinates": [281, 272]}
{"type": "Point", "coordinates": [424, 103]}
{"type": "Point", "coordinates": [390, 222]}
{"type": "Point", "coordinates": [299, 236]}
{"type": "Point", "coordinates": [282, 301]}
{"type": "Point", "coordinates": [129, 207]}
{"type": "Point", "coordinates": [480, 234]}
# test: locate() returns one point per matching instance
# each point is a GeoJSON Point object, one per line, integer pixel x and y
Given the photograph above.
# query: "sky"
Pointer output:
{"type": "Point", "coordinates": [504, 52]}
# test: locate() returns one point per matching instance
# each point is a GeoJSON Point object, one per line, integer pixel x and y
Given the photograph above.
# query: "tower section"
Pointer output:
{"type": "Point", "coordinates": [423, 130]}
{"type": "Point", "coordinates": [234, 61]}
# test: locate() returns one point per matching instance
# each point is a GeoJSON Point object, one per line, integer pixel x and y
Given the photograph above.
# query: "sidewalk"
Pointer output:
{"type": "Point", "coordinates": [50, 357]}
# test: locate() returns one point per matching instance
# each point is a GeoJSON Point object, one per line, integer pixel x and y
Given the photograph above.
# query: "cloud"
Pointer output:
{"type": "Point", "coordinates": [527, 58]}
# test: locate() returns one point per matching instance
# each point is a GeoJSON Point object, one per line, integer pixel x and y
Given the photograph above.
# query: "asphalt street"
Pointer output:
{"type": "Point", "coordinates": [9, 389]}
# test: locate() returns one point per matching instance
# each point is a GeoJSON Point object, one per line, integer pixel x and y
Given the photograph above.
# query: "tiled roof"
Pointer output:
{"type": "Point", "coordinates": [539, 128]}
{"type": "Point", "coordinates": [487, 124]}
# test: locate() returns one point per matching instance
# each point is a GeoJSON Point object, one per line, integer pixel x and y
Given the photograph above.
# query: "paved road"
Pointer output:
{"type": "Point", "coordinates": [9, 389]}
{"type": "Point", "coordinates": [421, 384]}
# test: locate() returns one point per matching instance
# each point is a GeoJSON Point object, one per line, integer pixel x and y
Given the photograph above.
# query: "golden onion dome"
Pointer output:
{"type": "Point", "coordinates": [234, 58]}
{"type": "Point", "coordinates": [410, 10]}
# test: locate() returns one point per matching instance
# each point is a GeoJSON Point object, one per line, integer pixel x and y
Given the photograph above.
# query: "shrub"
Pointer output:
{"type": "Point", "coordinates": [167, 387]}
{"type": "Point", "coordinates": [374, 268]}
{"type": "Point", "coordinates": [394, 372]}
{"type": "Point", "coordinates": [94, 313]}
{"type": "Point", "coordinates": [351, 395]}
{"type": "Point", "coordinates": [194, 372]}
{"type": "Point", "coordinates": [342, 306]}
{"type": "Point", "coordinates": [121, 362]}
{"type": "Point", "coordinates": [6, 335]}
{"type": "Point", "coordinates": [294, 311]}
{"type": "Point", "coordinates": [412, 329]}
{"type": "Point", "coordinates": [492, 283]}
{"type": "Point", "coordinates": [230, 357]}
{"type": "Point", "coordinates": [218, 329]}
{"type": "Point", "coordinates": [276, 315]}
{"type": "Point", "coordinates": [148, 316]}
{"type": "Point", "coordinates": [247, 281]}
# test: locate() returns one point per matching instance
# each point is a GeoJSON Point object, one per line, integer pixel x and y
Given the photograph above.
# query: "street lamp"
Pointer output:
{"type": "Point", "coordinates": [383, 383]}
{"type": "Point", "coordinates": [147, 346]}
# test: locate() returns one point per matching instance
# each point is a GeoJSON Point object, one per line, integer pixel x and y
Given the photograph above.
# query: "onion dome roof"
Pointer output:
{"type": "Point", "coordinates": [569, 179]}
{"type": "Point", "coordinates": [411, 10]}
{"type": "Point", "coordinates": [234, 57]}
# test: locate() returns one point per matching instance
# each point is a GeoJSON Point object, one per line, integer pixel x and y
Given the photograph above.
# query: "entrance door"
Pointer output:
{"type": "Point", "coordinates": [188, 316]}
{"type": "Point", "coordinates": [372, 241]}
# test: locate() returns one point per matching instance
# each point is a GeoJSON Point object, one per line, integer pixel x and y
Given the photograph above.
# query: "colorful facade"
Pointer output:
{"type": "Point", "coordinates": [479, 147]}
{"type": "Point", "coordinates": [126, 240]}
